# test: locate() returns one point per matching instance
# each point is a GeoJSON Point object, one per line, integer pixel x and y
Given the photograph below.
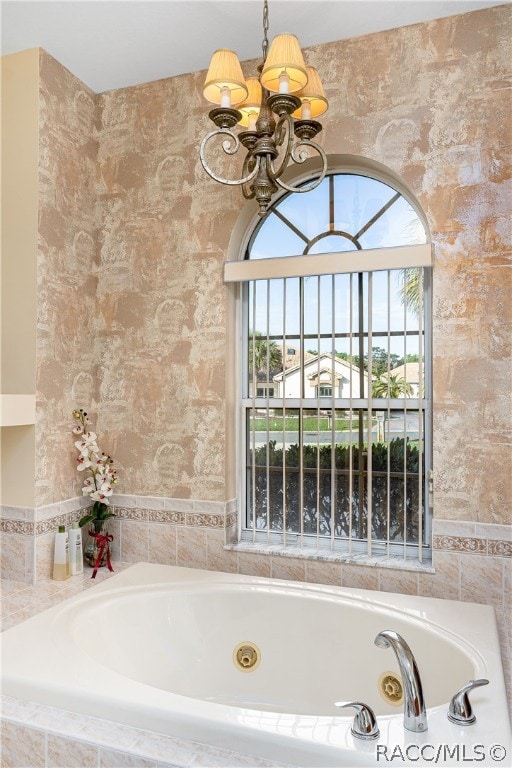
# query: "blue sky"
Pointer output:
{"type": "Point", "coordinates": [347, 204]}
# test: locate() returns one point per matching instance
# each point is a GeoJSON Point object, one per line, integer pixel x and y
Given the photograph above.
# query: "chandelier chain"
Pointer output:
{"type": "Point", "coordinates": [265, 29]}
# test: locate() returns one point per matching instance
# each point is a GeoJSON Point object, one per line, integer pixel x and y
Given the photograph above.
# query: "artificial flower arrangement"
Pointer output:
{"type": "Point", "coordinates": [97, 485]}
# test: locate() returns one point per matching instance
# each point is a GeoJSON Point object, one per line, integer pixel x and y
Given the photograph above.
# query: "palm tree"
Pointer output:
{"type": "Point", "coordinates": [392, 387]}
{"type": "Point", "coordinates": [265, 355]}
{"type": "Point", "coordinates": [411, 285]}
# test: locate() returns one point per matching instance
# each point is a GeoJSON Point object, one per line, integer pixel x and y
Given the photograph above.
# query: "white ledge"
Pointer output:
{"type": "Point", "coordinates": [17, 410]}
{"type": "Point", "coordinates": [379, 561]}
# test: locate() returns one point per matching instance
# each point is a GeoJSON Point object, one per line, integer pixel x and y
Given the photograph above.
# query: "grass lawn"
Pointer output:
{"type": "Point", "coordinates": [309, 424]}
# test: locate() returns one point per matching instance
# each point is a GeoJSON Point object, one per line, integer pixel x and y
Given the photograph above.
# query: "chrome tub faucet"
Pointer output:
{"type": "Point", "coordinates": [415, 715]}
{"type": "Point", "coordinates": [460, 710]}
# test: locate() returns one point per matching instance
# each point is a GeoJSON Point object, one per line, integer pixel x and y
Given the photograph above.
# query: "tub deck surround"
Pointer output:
{"type": "Point", "coordinates": [471, 561]}
{"type": "Point", "coordinates": [34, 736]}
{"type": "Point", "coordinates": [277, 712]}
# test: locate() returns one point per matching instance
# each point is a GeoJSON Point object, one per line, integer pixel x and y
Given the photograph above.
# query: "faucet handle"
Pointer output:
{"type": "Point", "coordinates": [460, 711]}
{"type": "Point", "coordinates": [365, 722]}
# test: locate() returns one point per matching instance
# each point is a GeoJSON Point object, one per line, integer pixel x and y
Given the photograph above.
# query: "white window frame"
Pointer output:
{"type": "Point", "coordinates": [369, 260]}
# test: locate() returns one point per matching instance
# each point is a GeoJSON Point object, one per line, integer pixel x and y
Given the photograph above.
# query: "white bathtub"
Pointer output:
{"type": "Point", "coordinates": [153, 646]}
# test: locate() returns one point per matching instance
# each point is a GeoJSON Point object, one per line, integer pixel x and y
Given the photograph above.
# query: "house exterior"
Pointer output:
{"type": "Point", "coordinates": [324, 375]}
{"type": "Point", "coordinates": [410, 373]}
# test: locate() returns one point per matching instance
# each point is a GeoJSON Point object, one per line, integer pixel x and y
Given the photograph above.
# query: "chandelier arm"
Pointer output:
{"type": "Point", "coordinates": [284, 128]}
{"type": "Point", "coordinates": [251, 164]}
{"type": "Point", "coordinates": [248, 193]}
{"type": "Point", "coordinates": [230, 146]}
{"type": "Point", "coordinates": [300, 157]}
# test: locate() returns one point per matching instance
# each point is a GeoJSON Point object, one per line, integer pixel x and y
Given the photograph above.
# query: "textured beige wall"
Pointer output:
{"type": "Point", "coordinates": [132, 312]}
{"type": "Point", "coordinates": [66, 274]}
{"type": "Point", "coordinates": [428, 101]}
{"type": "Point", "coordinates": [432, 102]}
{"type": "Point", "coordinates": [162, 318]}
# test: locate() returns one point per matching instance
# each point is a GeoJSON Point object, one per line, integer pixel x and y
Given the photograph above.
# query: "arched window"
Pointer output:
{"type": "Point", "coordinates": [335, 400]}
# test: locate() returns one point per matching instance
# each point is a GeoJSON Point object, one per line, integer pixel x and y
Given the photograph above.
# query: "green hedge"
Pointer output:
{"type": "Point", "coordinates": [317, 489]}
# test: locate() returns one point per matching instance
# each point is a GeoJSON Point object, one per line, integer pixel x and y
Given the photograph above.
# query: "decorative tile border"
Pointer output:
{"type": "Point", "coordinates": [206, 520]}
{"type": "Point", "coordinates": [475, 546]}
{"type": "Point", "coordinates": [47, 526]}
{"type": "Point", "coordinates": [231, 519]}
{"type": "Point", "coordinates": [500, 548]}
{"type": "Point", "coordinates": [25, 528]}
{"type": "Point", "coordinates": [192, 519]}
{"type": "Point", "coordinates": [17, 526]}
{"type": "Point", "coordinates": [35, 521]}
{"type": "Point", "coordinates": [479, 538]}
{"type": "Point", "coordinates": [132, 513]}
{"type": "Point", "coordinates": [164, 516]}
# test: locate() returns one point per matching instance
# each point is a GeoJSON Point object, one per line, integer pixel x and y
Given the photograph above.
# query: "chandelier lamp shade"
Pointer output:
{"type": "Point", "coordinates": [250, 108]}
{"type": "Point", "coordinates": [225, 83]}
{"type": "Point", "coordinates": [275, 111]}
{"type": "Point", "coordinates": [284, 70]}
{"type": "Point", "coordinates": [312, 97]}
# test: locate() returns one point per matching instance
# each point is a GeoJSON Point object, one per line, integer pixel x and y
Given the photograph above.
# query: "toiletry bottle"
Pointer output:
{"type": "Point", "coordinates": [61, 557]}
{"type": "Point", "coordinates": [76, 555]}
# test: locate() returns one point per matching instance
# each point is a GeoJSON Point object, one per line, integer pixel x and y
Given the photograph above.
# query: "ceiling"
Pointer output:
{"type": "Point", "coordinates": [116, 43]}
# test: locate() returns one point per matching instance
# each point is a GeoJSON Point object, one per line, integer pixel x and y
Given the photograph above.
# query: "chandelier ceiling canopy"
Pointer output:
{"type": "Point", "coordinates": [276, 111]}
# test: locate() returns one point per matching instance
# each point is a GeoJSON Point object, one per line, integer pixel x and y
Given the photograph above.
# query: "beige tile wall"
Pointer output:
{"type": "Point", "coordinates": [476, 567]}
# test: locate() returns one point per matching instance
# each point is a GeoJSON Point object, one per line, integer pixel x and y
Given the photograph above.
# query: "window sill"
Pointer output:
{"type": "Point", "coordinates": [379, 561]}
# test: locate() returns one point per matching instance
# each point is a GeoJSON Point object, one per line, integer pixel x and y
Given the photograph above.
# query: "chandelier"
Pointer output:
{"type": "Point", "coordinates": [275, 109]}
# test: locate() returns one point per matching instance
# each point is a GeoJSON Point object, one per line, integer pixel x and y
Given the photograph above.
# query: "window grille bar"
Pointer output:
{"type": "Point", "coordinates": [405, 414]}
{"type": "Point", "coordinates": [253, 411]}
{"type": "Point", "coordinates": [318, 301]}
{"type": "Point", "coordinates": [369, 418]}
{"type": "Point", "coordinates": [283, 365]}
{"type": "Point", "coordinates": [267, 412]}
{"type": "Point", "coordinates": [421, 395]}
{"type": "Point", "coordinates": [388, 413]}
{"type": "Point", "coordinates": [301, 419]}
{"type": "Point", "coordinates": [351, 412]}
{"type": "Point", "coordinates": [426, 394]}
{"type": "Point", "coordinates": [334, 489]}
{"type": "Point", "coordinates": [314, 336]}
